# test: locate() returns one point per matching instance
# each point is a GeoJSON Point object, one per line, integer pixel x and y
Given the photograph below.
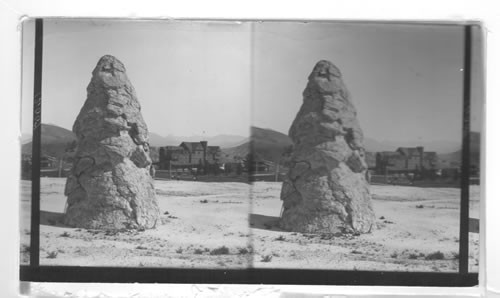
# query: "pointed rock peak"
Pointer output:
{"type": "Point", "coordinates": [110, 72]}
{"type": "Point", "coordinates": [110, 185]}
{"type": "Point", "coordinates": [109, 63]}
{"type": "Point", "coordinates": [325, 69]}
{"type": "Point", "coordinates": [326, 189]}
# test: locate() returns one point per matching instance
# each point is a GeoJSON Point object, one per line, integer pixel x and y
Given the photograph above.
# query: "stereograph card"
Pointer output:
{"type": "Point", "coordinates": [251, 152]}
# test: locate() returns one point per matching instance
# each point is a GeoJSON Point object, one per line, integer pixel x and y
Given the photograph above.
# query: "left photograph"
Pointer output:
{"type": "Point", "coordinates": [142, 124]}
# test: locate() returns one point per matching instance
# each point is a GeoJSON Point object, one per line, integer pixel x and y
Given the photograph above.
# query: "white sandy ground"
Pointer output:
{"type": "Point", "coordinates": [404, 237]}
{"type": "Point", "coordinates": [188, 234]}
{"type": "Point", "coordinates": [192, 229]}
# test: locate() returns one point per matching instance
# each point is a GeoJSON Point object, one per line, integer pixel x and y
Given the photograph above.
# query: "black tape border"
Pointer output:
{"type": "Point", "coordinates": [245, 276]}
{"type": "Point", "coordinates": [36, 273]}
{"type": "Point", "coordinates": [36, 149]}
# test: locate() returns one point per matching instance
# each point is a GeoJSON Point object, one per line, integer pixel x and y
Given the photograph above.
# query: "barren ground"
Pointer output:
{"type": "Point", "coordinates": [413, 225]}
{"type": "Point", "coordinates": [201, 219]}
{"type": "Point", "coordinates": [198, 220]}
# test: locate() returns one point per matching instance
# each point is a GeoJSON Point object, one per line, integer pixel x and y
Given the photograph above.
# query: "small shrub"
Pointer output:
{"type": "Point", "coordinates": [420, 206]}
{"type": "Point", "coordinates": [179, 250]}
{"type": "Point", "coordinates": [52, 255]}
{"type": "Point", "coordinates": [141, 247]}
{"type": "Point", "coordinates": [198, 251]}
{"type": "Point", "coordinates": [356, 252]}
{"type": "Point", "coordinates": [382, 217]}
{"type": "Point", "coordinates": [219, 251]}
{"type": "Point", "coordinates": [243, 251]}
{"type": "Point", "coordinates": [412, 256]}
{"type": "Point", "coordinates": [280, 238]}
{"type": "Point", "coordinates": [204, 201]}
{"type": "Point", "coordinates": [394, 255]}
{"type": "Point", "coordinates": [65, 234]}
{"type": "Point", "coordinates": [435, 256]}
{"type": "Point", "coordinates": [266, 258]}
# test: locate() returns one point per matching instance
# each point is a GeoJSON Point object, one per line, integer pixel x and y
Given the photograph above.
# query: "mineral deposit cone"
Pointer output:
{"type": "Point", "coordinates": [110, 184]}
{"type": "Point", "coordinates": [326, 189]}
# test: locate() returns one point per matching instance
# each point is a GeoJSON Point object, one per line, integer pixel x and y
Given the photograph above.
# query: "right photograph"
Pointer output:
{"type": "Point", "coordinates": [357, 145]}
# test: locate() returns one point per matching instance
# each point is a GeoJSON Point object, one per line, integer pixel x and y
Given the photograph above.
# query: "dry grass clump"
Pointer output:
{"type": "Point", "coordinates": [52, 255]}
{"type": "Point", "coordinates": [266, 258]}
{"type": "Point", "coordinates": [435, 256]}
{"type": "Point", "coordinates": [219, 251]}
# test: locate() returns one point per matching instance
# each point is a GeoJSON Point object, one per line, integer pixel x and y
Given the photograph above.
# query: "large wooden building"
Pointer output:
{"type": "Point", "coordinates": [405, 160]}
{"type": "Point", "coordinates": [189, 155]}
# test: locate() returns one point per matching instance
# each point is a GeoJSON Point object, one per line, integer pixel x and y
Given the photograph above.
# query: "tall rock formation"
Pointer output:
{"type": "Point", "coordinates": [111, 185]}
{"type": "Point", "coordinates": [326, 189]}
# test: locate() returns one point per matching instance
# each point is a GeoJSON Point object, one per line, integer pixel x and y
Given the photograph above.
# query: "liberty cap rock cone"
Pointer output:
{"type": "Point", "coordinates": [326, 189]}
{"type": "Point", "coordinates": [110, 185]}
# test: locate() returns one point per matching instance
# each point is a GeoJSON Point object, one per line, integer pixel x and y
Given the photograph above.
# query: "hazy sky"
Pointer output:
{"type": "Point", "coordinates": [190, 78]}
{"type": "Point", "coordinates": [405, 81]}
{"type": "Point", "coordinates": [199, 78]}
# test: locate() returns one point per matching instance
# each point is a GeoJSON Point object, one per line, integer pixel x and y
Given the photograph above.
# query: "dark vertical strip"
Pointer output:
{"type": "Point", "coordinates": [252, 63]}
{"type": "Point", "coordinates": [464, 197]}
{"type": "Point", "coordinates": [36, 150]}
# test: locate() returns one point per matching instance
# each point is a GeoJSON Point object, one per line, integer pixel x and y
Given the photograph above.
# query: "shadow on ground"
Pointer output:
{"type": "Point", "coordinates": [54, 219]}
{"type": "Point", "coordinates": [264, 222]}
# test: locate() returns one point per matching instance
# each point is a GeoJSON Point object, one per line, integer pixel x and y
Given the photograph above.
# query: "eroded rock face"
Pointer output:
{"type": "Point", "coordinates": [326, 189]}
{"type": "Point", "coordinates": [110, 185]}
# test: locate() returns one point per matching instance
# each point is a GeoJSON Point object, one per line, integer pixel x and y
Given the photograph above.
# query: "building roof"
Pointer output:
{"type": "Point", "coordinates": [410, 151]}
{"type": "Point", "coordinates": [174, 148]}
{"type": "Point", "coordinates": [192, 146]}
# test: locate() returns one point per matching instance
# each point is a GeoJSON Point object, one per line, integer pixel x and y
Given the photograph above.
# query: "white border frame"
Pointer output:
{"type": "Point", "coordinates": [12, 12]}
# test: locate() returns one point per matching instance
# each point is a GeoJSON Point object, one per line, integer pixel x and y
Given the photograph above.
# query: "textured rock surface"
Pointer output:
{"type": "Point", "coordinates": [110, 185]}
{"type": "Point", "coordinates": [326, 189]}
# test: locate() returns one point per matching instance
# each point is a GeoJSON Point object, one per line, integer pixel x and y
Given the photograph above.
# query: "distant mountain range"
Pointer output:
{"type": "Point", "coordinates": [475, 151]}
{"type": "Point", "coordinates": [224, 141]}
{"type": "Point", "coordinates": [52, 134]}
{"type": "Point", "coordinates": [267, 144]}
{"type": "Point", "coordinates": [55, 140]}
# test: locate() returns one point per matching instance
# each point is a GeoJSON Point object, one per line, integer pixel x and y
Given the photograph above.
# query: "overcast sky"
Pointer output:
{"type": "Point", "coordinates": [191, 78]}
{"type": "Point", "coordinates": [195, 78]}
{"type": "Point", "coordinates": [405, 80]}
